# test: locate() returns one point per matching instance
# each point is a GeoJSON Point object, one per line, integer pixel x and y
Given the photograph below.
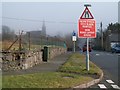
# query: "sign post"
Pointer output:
{"type": "Point", "coordinates": [74, 40]}
{"type": "Point", "coordinates": [87, 29]}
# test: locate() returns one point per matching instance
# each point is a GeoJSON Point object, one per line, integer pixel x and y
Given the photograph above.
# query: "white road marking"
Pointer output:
{"type": "Point", "coordinates": [109, 81]}
{"type": "Point", "coordinates": [97, 54]}
{"type": "Point", "coordinates": [102, 86]}
{"type": "Point", "coordinates": [115, 86]}
{"type": "Point", "coordinates": [118, 54]}
{"type": "Point", "coordinates": [110, 54]}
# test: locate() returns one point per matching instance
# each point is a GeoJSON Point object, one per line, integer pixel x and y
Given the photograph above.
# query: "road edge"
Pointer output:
{"type": "Point", "coordinates": [93, 82]}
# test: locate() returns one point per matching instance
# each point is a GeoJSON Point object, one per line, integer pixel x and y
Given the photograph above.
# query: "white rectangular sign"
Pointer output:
{"type": "Point", "coordinates": [74, 38]}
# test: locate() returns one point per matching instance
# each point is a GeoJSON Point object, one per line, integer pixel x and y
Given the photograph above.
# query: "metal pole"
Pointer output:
{"type": "Point", "coordinates": [87, 55]}
{"type": "Point", "coordinates": [73, 46]}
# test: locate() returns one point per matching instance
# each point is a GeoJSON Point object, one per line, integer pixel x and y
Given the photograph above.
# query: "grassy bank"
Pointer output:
{"type": "Point", "coordinates": [44, 80]}
{"type": "Point", "coordinates": [77, 64]}
{"type": "Point", "coordinates": [71, 74]}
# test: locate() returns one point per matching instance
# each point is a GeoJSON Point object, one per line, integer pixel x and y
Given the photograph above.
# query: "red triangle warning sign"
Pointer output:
{"type": "Point", "coordinates": [86, 14]}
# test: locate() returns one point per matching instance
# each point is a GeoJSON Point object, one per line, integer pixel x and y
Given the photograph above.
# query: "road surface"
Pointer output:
{"type": "Point", "coordinates": [110, 65]}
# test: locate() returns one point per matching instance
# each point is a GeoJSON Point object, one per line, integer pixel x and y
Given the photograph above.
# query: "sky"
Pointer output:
{"type": "Point", "coordinates": [60, 17]}
{"type": "Point", "coordinates": [119, 12]}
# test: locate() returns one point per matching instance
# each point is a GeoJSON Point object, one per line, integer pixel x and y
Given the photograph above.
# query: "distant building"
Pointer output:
{"type": "Point", "coordinates": [111, 39]}
{"type": "Point", "coordinates": [114, 38]}
{"type": "Point", "coordinates": [38, 33]}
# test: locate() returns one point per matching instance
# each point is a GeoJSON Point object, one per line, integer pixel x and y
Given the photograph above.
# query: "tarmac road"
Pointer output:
{"type": "Point", "coordinates": [110, 65]}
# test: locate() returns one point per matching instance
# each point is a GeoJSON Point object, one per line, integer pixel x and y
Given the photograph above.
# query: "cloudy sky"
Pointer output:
{"type": "Point", "coordinates": [119, 12]}
{"type": "Point", "coordinates": [60, 17]}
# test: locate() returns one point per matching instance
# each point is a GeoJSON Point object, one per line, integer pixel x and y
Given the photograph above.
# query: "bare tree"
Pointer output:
{"type": "Point", "coordinates": [68, 40]}
{"type": "Point", "coordinates": [7, 33]}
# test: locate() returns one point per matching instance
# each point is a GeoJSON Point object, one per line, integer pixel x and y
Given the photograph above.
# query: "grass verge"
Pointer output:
{"type": "Point", "coordinates": [71, 74]}
{"type": "Point", "coordinates": [44, 80]}
{"type": "Point", "coordinates": [77, 64]}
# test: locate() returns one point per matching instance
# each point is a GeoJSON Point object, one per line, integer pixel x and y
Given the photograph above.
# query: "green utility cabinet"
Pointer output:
{"type": "Point", "coordinates": [45, 54]}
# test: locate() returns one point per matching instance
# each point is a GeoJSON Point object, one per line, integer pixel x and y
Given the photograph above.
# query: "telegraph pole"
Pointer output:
{"type": "Point", "coordinates": [20, 40]}
{"type": "Point", "coordinates": [101, 36]}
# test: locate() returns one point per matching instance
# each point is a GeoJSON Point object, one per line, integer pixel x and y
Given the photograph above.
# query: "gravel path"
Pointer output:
{"type": "Point", "coordinates": [50, 66]}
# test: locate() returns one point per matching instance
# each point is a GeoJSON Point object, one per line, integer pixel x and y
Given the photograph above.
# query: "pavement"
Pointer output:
{"type": "Point", "coordinates": [49, 66]}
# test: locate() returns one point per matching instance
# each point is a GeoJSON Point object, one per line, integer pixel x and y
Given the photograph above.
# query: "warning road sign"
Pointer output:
{"type": "Point", "coordinates": [86, 25]}
{"type": "Point", "coordinates": [87, 28]}
{"type": "Point", "coordinates": [86, 14]}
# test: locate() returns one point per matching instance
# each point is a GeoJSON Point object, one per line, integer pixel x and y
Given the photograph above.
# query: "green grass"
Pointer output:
{"type": "Point", "coordinates": [71, 74]}
{"type": "Point", "coordinates": [0, 81]}
{"type": "Point", "coordinates": [77, 64]}
{"type": "Point", "coordinates": [44, 80]}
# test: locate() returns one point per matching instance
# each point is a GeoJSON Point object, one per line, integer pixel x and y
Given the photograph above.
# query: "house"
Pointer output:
{"type": "Point", "coordinates": [112, 39]}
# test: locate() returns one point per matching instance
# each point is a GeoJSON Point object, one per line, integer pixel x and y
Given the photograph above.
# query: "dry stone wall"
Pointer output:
{"type": "Point", "coordinates": [28, 59]}
{"type": "Point", "coordinates": [55, 51]}
{"type": "Point", "coordinates": [33, 59]}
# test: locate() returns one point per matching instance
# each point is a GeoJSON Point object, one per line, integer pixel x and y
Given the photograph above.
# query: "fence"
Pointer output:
{"type": "Point", "coordinates": [37, 42]}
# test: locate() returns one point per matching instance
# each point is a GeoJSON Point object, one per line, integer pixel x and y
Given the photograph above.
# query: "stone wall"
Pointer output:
{"type": "Point", "coordinates": [10, 65]}
{"type": "Point", "coordinates": [9, 62]}
{"type": "Point", "coordinates": [55, 51]}
{"type": "Point", "coordinates": [32, 59]}
{"type": "Point", "coordinates": [28, 59]}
